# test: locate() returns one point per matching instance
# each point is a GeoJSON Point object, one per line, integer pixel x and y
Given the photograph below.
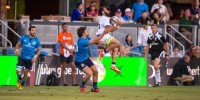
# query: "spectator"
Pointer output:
{"type": "Point", "coordinates": [138, 7]}
{"type": "Point", "coordinates": [176, 53]}
{"type": "Point", "coordinates": [129, 43]}
{"type": "Point", "coordinates": [185, 25]}
{"type": "Point", "coordinates": [169, 15]}
{"type": "Point", "coordinates": [195, 9]}
{"type": "Point", "coordinates": [92, 12]}
{"type": "Point", "coordinates": [178, 17]}
{"type": "Point", "coordinates": [78, 12]}
{"type": "Point", "coordinates": [92, 4]}
{"type": "Point", "coordinates": [157, 16]}
{"type": "Point", "coordinates": [162, 10]}
{"type": "Point", "coordinates": [180, 71]}
{"type": "Point", "coordinates": [118, 16]}
{"type": "Point", "coordinates": [196, 20]}
{"type": "Point", "coordinates": [123, 51]}
{"type": "Point", "coordinates": [197, 52]}
{"type": "Point", "coordinates": [144, 18]}
{"type": "Point", "coordinates": [191, 52]}
{"type": "Point", "coordinates": [143, 36]}
{"type": "Point", "coordinates": [128, 15]}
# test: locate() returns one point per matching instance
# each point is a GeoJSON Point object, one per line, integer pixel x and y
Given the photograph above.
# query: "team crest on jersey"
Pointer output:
{"type": "Point", "coordinates": [34, 42]}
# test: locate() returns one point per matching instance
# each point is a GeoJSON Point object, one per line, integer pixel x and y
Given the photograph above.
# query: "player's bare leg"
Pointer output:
{"type": "Point", "coordinates": [64, 64]}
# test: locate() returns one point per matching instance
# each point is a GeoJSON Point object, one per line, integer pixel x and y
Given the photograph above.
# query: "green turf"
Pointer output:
{"type": "Point", "coordinates": [107, 93]}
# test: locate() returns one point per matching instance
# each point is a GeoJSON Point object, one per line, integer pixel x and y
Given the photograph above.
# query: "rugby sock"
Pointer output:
{"type": "Point", "coordinates": [23, 82]}
{"type": "Point", "coordinates": [105, 50]}
{"type": "Point", "coordinates": [19, 77]}
{"type": "Point", "coordinates": [113, 63]}
{"type": "Point", "coordinates": [159, 79]}
{"type": "Point", "coordinates": [156, 77]}
{"type": "Point", "coordinates": [82, 84]}
{"type": "Point", "coordinates": [95, 85]}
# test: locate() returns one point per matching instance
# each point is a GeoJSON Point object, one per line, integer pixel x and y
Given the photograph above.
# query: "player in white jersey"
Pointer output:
{"type": "Point", "coordinates": [109, 41]}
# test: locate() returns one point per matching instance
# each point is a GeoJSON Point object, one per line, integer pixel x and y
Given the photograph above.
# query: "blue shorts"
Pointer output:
{"type": "Point", "coordinates": [81, 65]}
{"type": "Point", "coordinates": [26, 63]}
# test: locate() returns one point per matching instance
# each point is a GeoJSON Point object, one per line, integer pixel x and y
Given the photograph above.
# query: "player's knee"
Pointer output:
{"type": "Point", "coordinates": [95, 72]}
{"type": "Point", "coordinates": [89, 74]}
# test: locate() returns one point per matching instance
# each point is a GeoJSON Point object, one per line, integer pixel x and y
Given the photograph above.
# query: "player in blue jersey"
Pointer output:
{"type": "Point", "coordinates": [27, 56]}
{"type": "Point", "coordinates": [83, 61]}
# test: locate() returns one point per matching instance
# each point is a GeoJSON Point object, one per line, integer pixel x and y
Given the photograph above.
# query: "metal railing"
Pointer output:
{"type": "Point", "coordinates": [10, 28]}
{"type": "Point", "coordinates": [183, 53]}
{"type": "Point", "coordinates": [180, 34]}
{"type": "Point", "coordinates": [6, 40]}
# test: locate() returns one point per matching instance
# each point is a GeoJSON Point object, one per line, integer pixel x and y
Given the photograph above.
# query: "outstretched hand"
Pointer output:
{"type": "Point", "coordinates": [118, 23]}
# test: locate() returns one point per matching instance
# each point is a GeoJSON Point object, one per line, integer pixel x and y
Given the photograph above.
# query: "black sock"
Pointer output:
{"type": "Point", "coordinates": [105, 50]}
{"type": "Point", "coordinates": [113, 63]}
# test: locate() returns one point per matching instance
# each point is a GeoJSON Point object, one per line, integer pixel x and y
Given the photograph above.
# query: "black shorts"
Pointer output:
{"type": "Point", "coordinates": [26, 63]}
{"type": "Point", "coordinates": [68, 59]}
{"type": "Point", "coordinates": [81, 65]}
{"type": "Point", "coordinates": [155, 54]}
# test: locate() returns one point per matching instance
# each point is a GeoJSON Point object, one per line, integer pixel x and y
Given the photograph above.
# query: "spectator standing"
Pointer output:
{"type": "Point", "coordinates": [185, 25]}
{"type": "Point", "coordinates": [66, 53]}
{"type": "Point", "coordinates": [195, 9]}
{"type": "Point", "coordinates": [138, 7]}
{"type": "Point", "coordinates": [143, 36]}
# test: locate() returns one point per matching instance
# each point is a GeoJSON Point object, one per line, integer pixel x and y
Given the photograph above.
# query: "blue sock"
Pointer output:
{"type": "Point", "coordinates": [82, 84]}
{"type": "Point", "coordinates": [95, 85]}
{"type": "Point", "coordinates": [23, 82]}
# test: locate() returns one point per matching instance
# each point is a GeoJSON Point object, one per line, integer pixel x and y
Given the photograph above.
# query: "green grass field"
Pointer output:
{"type": "Point", "coordinates": [107, 93]}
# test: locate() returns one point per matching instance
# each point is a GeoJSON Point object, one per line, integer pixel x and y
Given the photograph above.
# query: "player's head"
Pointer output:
{"type": "Point", "coordinates": [32, 30]}
{"type": "Point", "coordinates": [104, 11]}
{"type": "Point", "coordinates": [82, 32]}
{"type": "Point", "coordinates": [154, 28]}
{"type": "Point", "coordinates": [65, 27]}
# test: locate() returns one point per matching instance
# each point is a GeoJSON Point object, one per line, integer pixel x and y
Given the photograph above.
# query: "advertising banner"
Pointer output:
{"type": "Point", "coordinates": [133, 72]}
{"type": "Point", "coordinates": [47, 64]}
{"type": "Point", "coordinates": [8, 70]}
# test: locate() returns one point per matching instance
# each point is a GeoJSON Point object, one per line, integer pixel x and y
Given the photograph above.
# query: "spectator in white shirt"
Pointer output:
{"type": "Point", "coordinates": [143, 35]}
{"type": "Point", "coordinates": [176, 53]}
{"type": "Point", "coordinates": [163, 9]}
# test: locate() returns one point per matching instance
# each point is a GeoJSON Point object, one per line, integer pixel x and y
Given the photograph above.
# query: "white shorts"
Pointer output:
{"type": "Point", "coordinates": [106, 39]}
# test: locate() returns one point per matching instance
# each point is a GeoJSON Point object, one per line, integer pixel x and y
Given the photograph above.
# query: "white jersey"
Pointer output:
{"type": "Point", "coordinates": [143, 36]}
{"type": "Point", "coordinates": [103, 22]}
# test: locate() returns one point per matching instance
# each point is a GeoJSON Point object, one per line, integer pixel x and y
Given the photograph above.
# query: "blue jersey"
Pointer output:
{"type": "Point", "coordinates": [138, 9]}
{"type": "Point", "coordinates": [29, 46]}
{"type": "Point", "coordinates": [82, 49]}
